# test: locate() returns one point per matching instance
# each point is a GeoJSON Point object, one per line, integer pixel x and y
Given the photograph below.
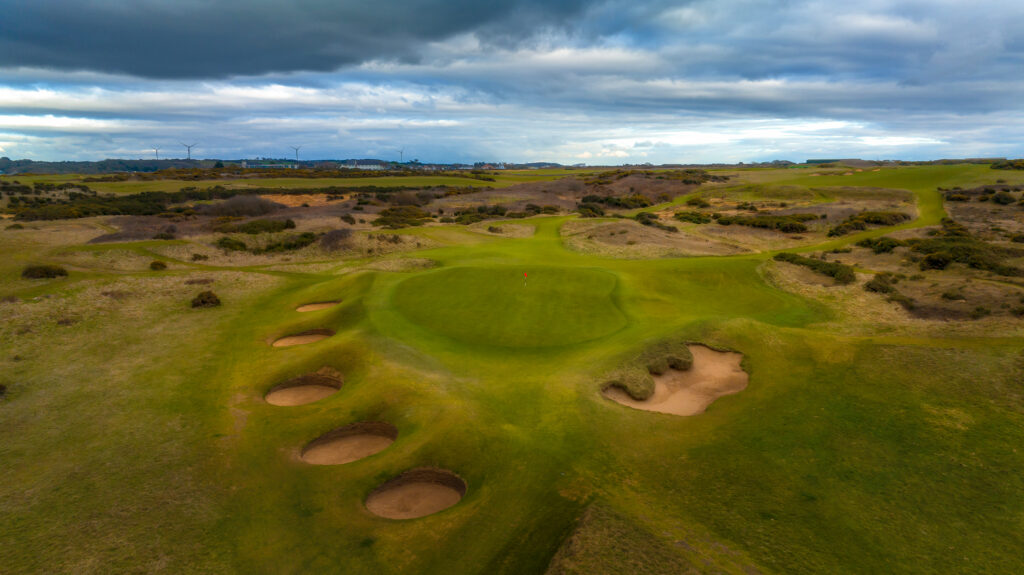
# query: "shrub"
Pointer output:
{"type": "Point", "coordinates": [881, 245]}
{"type": "Point", "coordinates": [287, 244]}
{"type": "Point", "coordinates": [241, 206]}
{"type": "Point", "coordinates": [907, 303]}
{"type": "Point", "coordinates": [635, 381]}
{"type": "Point", "coordinates": [157, 265]}
{"type": "Point", "coordinates": [862, 220]}
{"type": "Point", "coordinates": [1018, 311]}
{"type": "Point", "coordinates": [693, 217]}
{"type": "Point", "coordinates": [199, 257]}
{"type": "Point", "coordinates": [229, 244]}
{"type": "Point", "coordinates": [43, 271]}
{"type": "Point", "coordinates": [698, 203]}
{"type": "Point", "coordinates": [953, 295]}
{"type": "Point", "coordinates": [670, 353]}
{"type": "Point", "coordinates": [3, 390]}
{"type": "Point", "coordinates": [936, 261]}
{"type": "Point", "coordinates": [649, 219]}
{"type": "Point", "coordinates": [164, 236]}
{"type": "Point", "coordinates": [494, 229]}
{"type": "Point", "coordinates": [256, 227]}
{"type": "Point", "coordinates": [335, 239]}
{"type": "Point", "coordinates": [980, 312]}
{"type": "Point", "coordinates": [348, 219]}
{"type": "Point", "coordinates": [15, 227]}
{"type": "Point", "coordinates": [206, 299]}
{"type": "Point", "coordinates": [1003, 199]}
{"type": "Point", "coordinates": [881, 283]}
{"type": "Point", "coordinates": [590, 210]}
{"type": "Point", "coordinates": [401, 217]}
{"type": "Point", "coordinates": [791, 223]}
{"type": "Point", "coordinates": [842, 273]}
{"type": "Point", "coordinates": [1019, 239]}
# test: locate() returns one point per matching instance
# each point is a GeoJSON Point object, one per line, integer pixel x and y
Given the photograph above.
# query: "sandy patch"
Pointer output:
{"type": "Point", "coordinates": [349, 443]}
{"type": "Point", "coordinates": [303, 338]}
{"type": "Point", "coordinates": [297, 200]}
{"type": "Point", "coordinates": [305, 388]}
{"type": "Point", "coordinates": [316, 306]}
{"type": "Point", "coordinates": [714, 374]}
{"type": "Point", "coordinates": [416, 493]}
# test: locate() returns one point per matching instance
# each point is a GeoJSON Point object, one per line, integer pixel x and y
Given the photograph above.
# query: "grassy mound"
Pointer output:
{"type": "Point", "coordinates": [495, 306]}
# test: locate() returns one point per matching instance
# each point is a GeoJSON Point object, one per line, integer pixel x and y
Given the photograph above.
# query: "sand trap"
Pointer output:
{"type": "Point", "coordinates": [349, 443]}
{"type": "Point", "coordinates": [303, 338]}
{"type": "Point", "coordinates": [416, 493]}
{"type": "Point", "coordinates": [316, 306]}
{"type": "Point", "coordinates": [306, 388]}
{"type": "Point", "coordinates": [714, 374]}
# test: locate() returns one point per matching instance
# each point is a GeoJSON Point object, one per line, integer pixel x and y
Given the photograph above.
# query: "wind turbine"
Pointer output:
{"type": "Point", "coordinates": [401, 156]}
{"type": "Point", "coordinates": [296, 148]}
{"type": "Point", "coordinates": [189, 148]}
{"type": "Point", "coordinates": [157, 150]}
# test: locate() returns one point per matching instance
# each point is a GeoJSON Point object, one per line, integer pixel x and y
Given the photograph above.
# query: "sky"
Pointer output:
{"type": "Point", "coordinates": [569, 81]}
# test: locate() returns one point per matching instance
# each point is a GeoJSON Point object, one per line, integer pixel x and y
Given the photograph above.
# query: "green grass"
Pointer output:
{"type": "Point", "coordinates": [136, 439]}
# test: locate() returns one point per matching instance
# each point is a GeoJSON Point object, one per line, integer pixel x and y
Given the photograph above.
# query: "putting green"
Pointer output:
{"type": "Point", "coordinates": [494, 305]}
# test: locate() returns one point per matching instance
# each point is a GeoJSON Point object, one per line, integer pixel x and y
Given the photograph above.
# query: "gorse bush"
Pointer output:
{"type": "Point", "coordinates": [862, 220]}
{"type": "Point", "coordinates": [693, 217]}
{"type": "Point", "coordinates": [287, 244]}
{"type": "Point", "coordinates": [842, 273]}
{"type": "Point", "coordinates": [590, 210]}
{"type": "Point", "coordinates": [256, 227]}
{"type": "Point", "coordinates": [157, 265]}
{"type": "Point", "coordinates": [792, 223]}
{"type": "Point", "coordinates": [401, 217]}
{"type": "Point", "coordinates": [335, 239]}
{"type": "Point", "coordinates": [954, 243]}
{"type": "Point", "coordinates": [649, 219]}
{"type": "Point", "coordinates": [206, 299]}
{"type": "Point", "coordinates": [881, 245]}
{"type": "Point", "coordinates": [43, 272]}
{"type": "Point", "coordinates": [881, 283]}
{"type": "Point", "coordinates": [241, 206]}
{"type": "Point", "coordinates": [231, 244]}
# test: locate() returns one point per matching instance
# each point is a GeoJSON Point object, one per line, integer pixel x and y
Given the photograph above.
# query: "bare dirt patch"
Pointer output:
{"type": "Point", "coordinates": [416, 493]}
{"type": "Point", "coordinates": [305, 388]}
{"type": "Point", "coordinates": [303, 338]}
{"type": "Point", "coordinates": [300, 200]}
{"type": "Point", "coordinates": [714, 374]}
{"type": "Point", "coordinates": [350, 443]}
{"type": "Point", "coordinates": [316, 306]}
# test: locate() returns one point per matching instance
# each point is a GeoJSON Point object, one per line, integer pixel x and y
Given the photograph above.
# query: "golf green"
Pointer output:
{"type": "Point", "coordinates": [500, 306]}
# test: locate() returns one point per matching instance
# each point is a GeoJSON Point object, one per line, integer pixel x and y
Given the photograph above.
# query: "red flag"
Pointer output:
{"type": "Point", "coordinates": [524, 274]}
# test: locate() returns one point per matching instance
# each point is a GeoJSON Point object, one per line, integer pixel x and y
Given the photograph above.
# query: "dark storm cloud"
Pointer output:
{"type": "Point", "coordinates": [220, 38]}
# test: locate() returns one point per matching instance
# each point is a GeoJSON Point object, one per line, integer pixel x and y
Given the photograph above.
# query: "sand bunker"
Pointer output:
{"type": "Point", "coordinates": [316, 306]}
{"type": "Point", "coordinates": [303, 338]}
{"type": "Point", "coordinates": [714, 374]}
{"type": "Point", "coordinates": [416, 493]}
{"type": "Point", "coordinates": [350, 443]}
{"type": "Point", "coordinates": [305, 388]}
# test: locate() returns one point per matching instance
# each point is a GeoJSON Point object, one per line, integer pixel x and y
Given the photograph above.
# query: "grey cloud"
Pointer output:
{"type": "Point", "coordinates": [220, 38]}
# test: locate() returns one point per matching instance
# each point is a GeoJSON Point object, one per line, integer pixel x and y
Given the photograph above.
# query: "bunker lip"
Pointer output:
{"type": "Point", "coordinates": [302, 338]}
{"type": "Point", "coordinates": [416, 493]}
{"type": "Point", "coordinates": [349, 443]}
{"type": "Point", "coordinates": [713, 375]}
{"type": "Point", "coordinates": [305, 388]}
{"type": "Point", "coordinates": [317, 306]}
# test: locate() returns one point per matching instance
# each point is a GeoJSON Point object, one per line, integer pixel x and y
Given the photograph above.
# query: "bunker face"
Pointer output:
{"type": "Point", "coordinates": [714, 374]}
{"type": "Point", "coordinates": [416, 493]}
{"type": "Point", "coordinates": [498, 306]}
{"type": "Point", "coordinates": [349, 443]}
{"type": "Point", "coordinates": [316, 306]}
{"type": "Point", "coordinates": [305, 388]}
{"type": "Point", "coordinates": [305, 337]}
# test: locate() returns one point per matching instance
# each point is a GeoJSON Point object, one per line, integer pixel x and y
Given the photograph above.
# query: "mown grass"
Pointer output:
{"type": "Point", "coordinates": [137, 439]}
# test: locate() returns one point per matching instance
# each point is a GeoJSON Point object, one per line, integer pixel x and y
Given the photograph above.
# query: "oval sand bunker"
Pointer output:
{"type": "Point", "coordinates": [349, 443]}
{"type": "Point", "coordinates": [316, 306]}
{"type": "Point", "coordinates": [305, 388]}
{"type": "Point", "coordinates": [303, 338]}
{"type": "Point", "coordinates": [690, 392]}
{"type": "Point", "coordinates": [416, 493]}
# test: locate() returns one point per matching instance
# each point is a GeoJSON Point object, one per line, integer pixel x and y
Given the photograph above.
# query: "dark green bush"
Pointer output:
{"type": "Point", "coordinates": [907, 302]}
{"type": "Point", "coordinates": [206, 299]}
{"type": "Point", "coordinates": [842, 273]}
{"type": "Point", "coordinates": [881, 283]}
{"type": "Point", "coordinates": [790, 224]}
{"type": "Point", "coordinates": [693, 217]}
{"type": "Point", "coordinates": [649, 219]}
{"type": "Point", "coordinates": [15, 227]}
{"type": "Point", "coordinates": [936, 261]}
{"type": "Point", "coordinates": [231, 244]}
{"type": "Point", "coordinates": [881, 245]}
{"type": "Point", "coordinates": [164, 236]}
{"type": "Point", "coordinates": [287, 244]}
{"type": "Point", "coordinates": [590, 210]}
{"type": "Point", "coordinates": [697, 202]}
{"type": "Point", "coordinates": [401, 217]}
{"type": "Point", "coordinates": [862, 220]}
{"type": "Point", "coordinates": [1003, 199]}
{"type": "Point", "coordinates": [1019, 239]}
{"type": "Point", "coordinates": [348, 219]}
{"type": "Point", "coordinates": [953, 295]}
{"type": "Point", "coordinates": [43, 272]}
{"type": "Point", "coordinates": [199, 257]}
{"type": "Point", "coordinates": [335, 239]}
{"type": "Point", "coordinates": [980, 312]}
{"type": "Point", "coordinates": [157, 265]}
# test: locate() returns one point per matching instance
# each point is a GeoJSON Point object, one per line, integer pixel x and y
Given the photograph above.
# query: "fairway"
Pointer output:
{"type": "Point", "coordinates": [507, 307]}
